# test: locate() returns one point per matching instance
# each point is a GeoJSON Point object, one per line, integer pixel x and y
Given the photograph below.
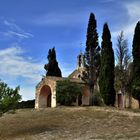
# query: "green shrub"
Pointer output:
{"type": "Point", "coordinates": [97, 99]}
{"type": "Point", "coordinates": [8, 97]}
{"type": "Point", "coordinates": [67, 92]}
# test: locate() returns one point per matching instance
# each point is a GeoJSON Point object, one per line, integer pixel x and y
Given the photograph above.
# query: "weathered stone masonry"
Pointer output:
{"type": "Point", "coordinates": [46, 92]}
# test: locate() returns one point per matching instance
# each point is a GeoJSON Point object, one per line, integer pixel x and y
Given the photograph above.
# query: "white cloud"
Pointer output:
{"type": "Point", "coordinates": [14, 64]}
{"type": "Point", "coordinates": [60, 19]}
{"type": "Point", "coordinates": [133, 12]}
{"type": "Point", "coordinates": [107, 1]}
{"type": "Point", "coordinates": [128, 30]}
{"type": "Point", "coordinates": [14, 31]}
{"type": "Point", "coordinates": [15, 34]}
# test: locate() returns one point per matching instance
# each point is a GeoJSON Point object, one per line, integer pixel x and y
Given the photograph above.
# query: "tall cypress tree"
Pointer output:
{"type": "Point", "coordinates": [91, 53]}
{"type": "Point", "coordinates": [52, 67]}
{"type": "Point", "coordinates": [136, 63]}
{"type": "Point", "coordinates": [106, 76]}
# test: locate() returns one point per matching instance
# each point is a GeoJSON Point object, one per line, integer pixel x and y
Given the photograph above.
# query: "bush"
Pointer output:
{"type": "Point", "coordinates": [67, 92]}
{"type": "Point", "coordinates": [97, 99]}
{"type": "Point", "coordinates": [8, 97]}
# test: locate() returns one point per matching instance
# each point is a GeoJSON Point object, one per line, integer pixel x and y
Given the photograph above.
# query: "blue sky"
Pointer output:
{"type": "Point", "coordinates": [28, 28]}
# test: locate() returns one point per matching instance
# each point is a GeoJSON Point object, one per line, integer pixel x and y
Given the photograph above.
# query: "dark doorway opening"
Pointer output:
{"type": "Point", "coordinates": [45, 97]}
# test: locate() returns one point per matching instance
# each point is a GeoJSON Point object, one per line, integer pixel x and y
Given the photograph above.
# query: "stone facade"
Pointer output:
{"type": "Point", "coordinates": [126, 101]}
{"type": "Point", "coordinates": [46, 89]}
{"type": "Point", "coordinates": [46, 92]}
{"type": "Point", "coordinates": [78, 73]}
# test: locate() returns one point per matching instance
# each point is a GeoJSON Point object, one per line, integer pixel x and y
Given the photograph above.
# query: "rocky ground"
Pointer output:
{"type": "Point", "coordinates": [71, 123]}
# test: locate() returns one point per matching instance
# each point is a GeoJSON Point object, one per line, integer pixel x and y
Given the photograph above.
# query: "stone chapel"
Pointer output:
{"type": "Point", "coordinates": [46, 89]}
{"type": "Point", "coordinates": [45, 95]}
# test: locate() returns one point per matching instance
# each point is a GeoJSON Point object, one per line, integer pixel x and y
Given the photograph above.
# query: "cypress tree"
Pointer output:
{"type": "Point", "coordinates": [91, 53]}
{"type": "Point", "coordinates": [106, 76]}
{"type": "Point", "coordinates": [136, 63]}
{"type": "Point", "coordinates": [52, 67]}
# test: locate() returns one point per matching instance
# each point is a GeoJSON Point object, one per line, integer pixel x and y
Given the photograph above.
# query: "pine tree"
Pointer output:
{"type": "Point", "coordinates": [52, 67]}
{"type": "Point", "coordinates": [136, 63]}
{"type": "Point", "coordinates": [91, 55]}
{"type": "Point", "coordinates": [106, 76]}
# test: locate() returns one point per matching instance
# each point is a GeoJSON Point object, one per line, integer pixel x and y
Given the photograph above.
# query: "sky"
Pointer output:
{"type": "Point", "coordinates": [29, 28]}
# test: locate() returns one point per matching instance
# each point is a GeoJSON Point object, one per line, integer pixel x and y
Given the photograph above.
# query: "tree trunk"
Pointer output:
{"type": "Point", "coordinates": [91, 76]}
{"type": "Point", "coordinates": [130, 99]}
{"type": "Point", "coordinates": [91, 96]}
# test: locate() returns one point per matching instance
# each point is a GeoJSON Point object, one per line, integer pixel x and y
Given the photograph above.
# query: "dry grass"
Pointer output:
{"type": "Point", "coordinates": [70, 123]}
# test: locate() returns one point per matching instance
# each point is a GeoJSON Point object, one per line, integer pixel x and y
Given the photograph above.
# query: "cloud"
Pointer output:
{"type": "Point", "coordinates": [14, 64]}
{"type": "Point", "coordinates": [107, 1]}
{"type": "Point", "coordinates": [60, 19]}
{"type": "Point", "coordinates": [14, 31]}
{"type": "Point", "coordinates": [128, 30]}
{"type": "Point", "coordinates": [16, 34]}
{"type": "Point", "coordinates": [133, 16]}
{"type": "Point", "coordinates": [133, 10]}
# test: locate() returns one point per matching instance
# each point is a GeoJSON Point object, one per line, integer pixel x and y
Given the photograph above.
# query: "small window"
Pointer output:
{"type": "Point", "coordinates": [79, 76]}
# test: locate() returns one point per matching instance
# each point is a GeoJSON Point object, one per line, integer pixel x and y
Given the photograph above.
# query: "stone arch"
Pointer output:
{"type": "Point", "coordinates": [45, 96]}
{"type": "Point", "coordinates": [46, 91]}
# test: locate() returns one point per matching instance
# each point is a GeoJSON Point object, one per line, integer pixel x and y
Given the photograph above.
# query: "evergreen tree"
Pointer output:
{"type": "Point", "coordinates": [52, 67]}
{"type": "Point", "coordinates": [91, 55]}
{"type": "Point", "coordinates": [106, 76]}
{"type": "Point", "coordinates": [136, 63]}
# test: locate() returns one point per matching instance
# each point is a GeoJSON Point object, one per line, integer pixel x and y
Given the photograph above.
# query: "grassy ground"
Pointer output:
{"type": "Point", "coordinates": [70, 123]}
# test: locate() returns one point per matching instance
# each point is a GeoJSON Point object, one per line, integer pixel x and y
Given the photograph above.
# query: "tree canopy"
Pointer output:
{"type": "Point", "coordinates": [68, 92]}
{"type": "Point", "coordinates": [91, 55]}
{"type": "Point", "coordinates": [52, 67]}
{"type": "Point", "coordinates": [123, 59]}
{"type": "Point", "coordinates": [136, 63]}
{"type": "Point", "coordinates": [8, 97]}
{"type": "Point", "coordinates": [106, 75]}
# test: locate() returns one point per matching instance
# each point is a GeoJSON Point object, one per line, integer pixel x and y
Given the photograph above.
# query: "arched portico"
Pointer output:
{"type": "Point", "coordinates": [45, 97]}
{"type": "Point", "coordinates": [46, 92]}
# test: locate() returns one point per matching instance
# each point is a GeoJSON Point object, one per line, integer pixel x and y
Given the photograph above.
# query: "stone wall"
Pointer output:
{"type": "Point", "coordinates": [51, 83]}
{"type": "Point", "coordinates": [126, 101]}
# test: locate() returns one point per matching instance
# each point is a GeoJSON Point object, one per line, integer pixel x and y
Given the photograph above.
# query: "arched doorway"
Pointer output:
{"type": "Point", "coordinates": [45, 97]}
